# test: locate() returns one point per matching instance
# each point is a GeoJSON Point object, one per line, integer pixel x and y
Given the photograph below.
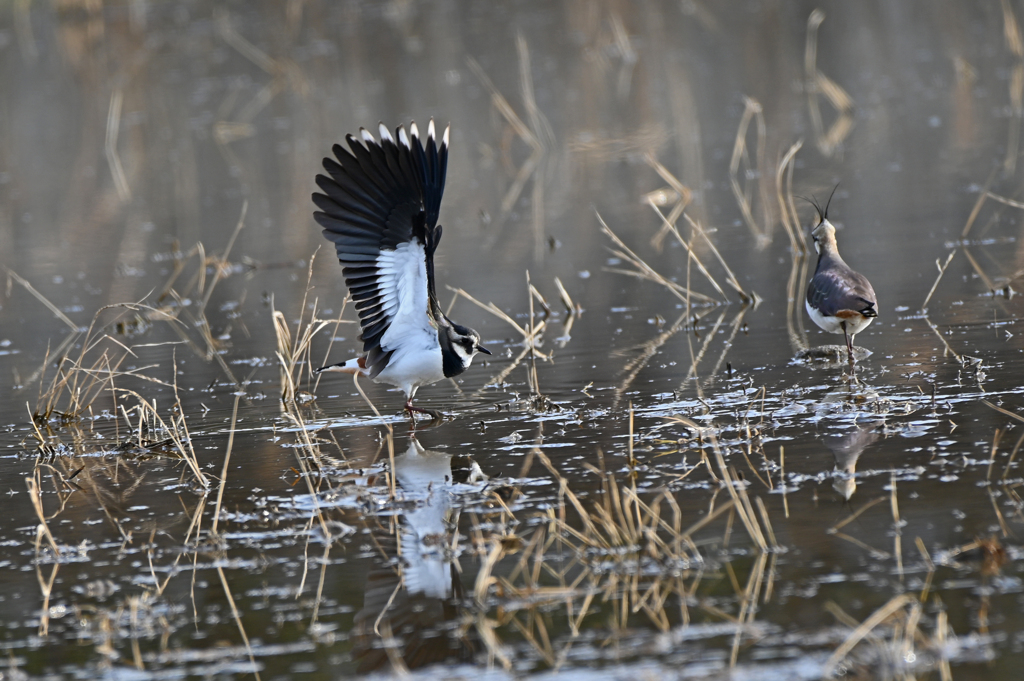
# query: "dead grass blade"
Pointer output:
{"type": "Point", "coordinates": [24, 283]}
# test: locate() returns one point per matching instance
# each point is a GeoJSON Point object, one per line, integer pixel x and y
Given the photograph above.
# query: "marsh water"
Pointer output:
{"type": "Point", "coordinates": [658, 473]}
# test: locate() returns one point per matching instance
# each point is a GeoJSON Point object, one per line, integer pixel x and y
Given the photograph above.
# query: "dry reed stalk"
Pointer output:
{"type": "Point", "coordinates": [1012, 37]}
{"type": "Point", "coordinates": [816, 84]}
{"type": "Point", "coordinates": [782, 478]}
{"type": "Point", "coordinates": [982, 197]}
{"type": "Point", "coordinates": [894, 505]}
{"type": "Point", "coordinates": [699, 357]}
{"type": "Point", "coordinates": [865, 628]}
{"type": "Point", "coordinates": [124, 192]}
{"type": "Point", "coordinates": [224, 468]}
{"type": "Point", "coordinates": [1011, 414]}
{"type": "Point", "coordinates": [853, 516]}
{"type": "Point", "coordinates": [35, 496]}
{"type": "Point", "coordinates": [645, 271]}
{"type": "Point", "coordinates": [236, 615]}
{"type": "Point", "coordinates": [994, 450]}
{"type": "Point", "coordinates": [669, 226]}
{"type": "Point", "coordinates": [25, 284]}
{"type": "Point", "coordinates": [176, 430]}
{"type": "Point", "coordinates": [947, 348]}
{"type": "Point", "coordinates": [731, 277]}
{"type": "Point", "coordinates": [292, 354]}
{"type": "Point", "coordinates": [794, 309]}
{"type": "Point", "coordinates": [741, 501]}
{"type": "Point", "coordinates": [538, 136]}
{"type": "Point", "coordinates": [930, 564]}
{"type": "Point", "coordinates": [659, 197]}
{"type": "Point", "coordinates": [648, 351]}
{"type": "Point", "coordinates": [748, 605]}
{"type": "Point", "coordinates": [45, 585]}
{"type": "Point", "coordinates": [220, 263]}
{"type": "Point", "coordinates": [133, 619]}
{"type": "Point", "coordinates": [752, 111]}
{"type": "Point", "coordinates": [313, 452]}
{"type": "Point", "coordinates": [1012, 457]}
{"type": "Point", "coordinates": [529, 337]}
{"type": "Point", "coordinates": [572, 308]}
{"type": "Point", "coordinates": [989, 284]}
{"type": "Point", "coordinates": [942, 270]}
{"type": "Point", "coordinates": [790, 219]}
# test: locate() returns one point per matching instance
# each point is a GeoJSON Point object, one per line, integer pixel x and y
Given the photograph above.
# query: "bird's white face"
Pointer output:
{"type": "Point", "coordinates": [466, 344]}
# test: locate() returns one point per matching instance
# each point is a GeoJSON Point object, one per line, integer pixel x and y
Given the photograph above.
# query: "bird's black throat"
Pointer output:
{"type": "Point", "coordinates": [452, 361]}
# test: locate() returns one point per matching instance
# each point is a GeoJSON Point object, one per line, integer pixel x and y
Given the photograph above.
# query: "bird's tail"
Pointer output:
{"type": "Point", "coordinates": [356, 365]}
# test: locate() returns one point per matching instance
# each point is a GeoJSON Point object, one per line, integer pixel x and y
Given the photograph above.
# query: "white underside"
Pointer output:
{"type": "Point", "coordinates": [854, 325]}
{"type": "Point", "coordinates": [410, 368]}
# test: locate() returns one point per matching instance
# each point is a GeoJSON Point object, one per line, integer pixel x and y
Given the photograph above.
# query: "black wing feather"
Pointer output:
{"type": "Point", "coordinates": [376, 196]}
{"type": "Point", "coordinates": [831, 293]}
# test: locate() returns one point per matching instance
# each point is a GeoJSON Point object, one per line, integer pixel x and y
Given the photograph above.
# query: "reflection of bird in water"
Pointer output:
{"type": "Point", "coordinates": [839, 300]}
{"type": "Point", "coordinates": [380, 207]}
{"type": "Point", "coordinates": [846, 450]}
{"type": "Point", "coordinates": [415, 595]}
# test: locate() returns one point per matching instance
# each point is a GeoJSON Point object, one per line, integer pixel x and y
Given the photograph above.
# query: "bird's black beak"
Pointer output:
{"type": "Point", "coordinates": [482, 349]}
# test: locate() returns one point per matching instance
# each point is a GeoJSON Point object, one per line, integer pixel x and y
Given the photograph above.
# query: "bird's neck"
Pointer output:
{"type": "Point", "coordinates": [453, 362]}
{"type": "Point", "coordinates": [828, 252]}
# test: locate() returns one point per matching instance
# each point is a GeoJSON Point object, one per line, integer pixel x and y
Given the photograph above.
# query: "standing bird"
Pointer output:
{"type": "Point", "coordinates": [839, 300]}
{"type": "Point", "coordinates": [380, 207]}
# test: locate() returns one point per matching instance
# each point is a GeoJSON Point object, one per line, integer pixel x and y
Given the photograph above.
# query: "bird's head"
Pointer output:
{"type": "Point", "coordinates": [823, 233]}
{"type": "Point", "coordinates": [465, 342]}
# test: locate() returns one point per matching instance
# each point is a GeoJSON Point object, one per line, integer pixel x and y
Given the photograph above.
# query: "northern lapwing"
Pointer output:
{"type": "Point", "coordinates": [839, 300]}
{"type": "Point", "coordinates": [380, 207]}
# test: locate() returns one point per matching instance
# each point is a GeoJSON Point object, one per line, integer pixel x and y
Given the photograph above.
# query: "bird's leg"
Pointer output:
{"type": "Point", "coordinates": [411, 408]}
{"type": "Point", "coordinates": [849, 343]}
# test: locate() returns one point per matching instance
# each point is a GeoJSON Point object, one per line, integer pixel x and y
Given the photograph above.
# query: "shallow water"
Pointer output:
{"type": "Point", "coordinates": [572, 512]}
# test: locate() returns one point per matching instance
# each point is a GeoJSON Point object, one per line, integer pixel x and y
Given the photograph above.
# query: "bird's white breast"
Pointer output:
{"type": "Point", "coordinates": [411, 367]}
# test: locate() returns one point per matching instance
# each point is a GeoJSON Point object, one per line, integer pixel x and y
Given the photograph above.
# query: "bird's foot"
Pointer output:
{"type": "Point", "coordinates": [413, 409]}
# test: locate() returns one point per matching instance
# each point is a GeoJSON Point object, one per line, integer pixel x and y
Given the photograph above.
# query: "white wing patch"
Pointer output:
{"type": "Point", "coordinates": [411, 336]}
{"type": "Point", "coordinates": [402, 282]}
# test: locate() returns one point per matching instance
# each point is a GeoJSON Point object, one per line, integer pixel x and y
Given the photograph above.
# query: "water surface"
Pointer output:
{"type": "Point", "coordinates": [658, 485]}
